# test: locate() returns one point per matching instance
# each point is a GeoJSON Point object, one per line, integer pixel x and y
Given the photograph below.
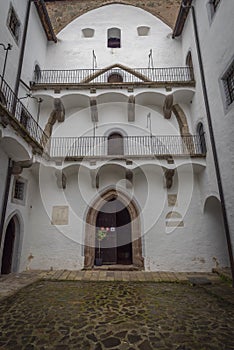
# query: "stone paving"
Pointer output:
{"type": "Point", "coordinates": [79, 310]}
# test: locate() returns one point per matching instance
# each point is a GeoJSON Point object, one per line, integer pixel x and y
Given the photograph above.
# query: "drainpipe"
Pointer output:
{"type": "Point", "coordinates": [21, 57]}
{"type": "Point", "coordinates": [212, 139]}
{"type": "Point", "coordinates": [5, 198]}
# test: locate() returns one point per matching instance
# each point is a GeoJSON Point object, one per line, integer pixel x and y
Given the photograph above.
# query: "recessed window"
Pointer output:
{"type": "Point", "coordinates": [13, 24]}
{"type": "Point", "coordinates": [215, 4]}
{"type": "Point", "coordinates": [88, 32]}
{"type": "Point", "coordinates": [37, 73]}
{"type": "Point", "coordinates": [114, 38]}
{"type": "Point", "coordinates": [19, 190]}
{"type": "Point", "coordinates": [143, 30]}
{"type": "Point", "coordinates": [201, 134]}
{"type": "Point", "coordinates": [228, 85]}
{"type": "Point", "coordinates": [212, 8]}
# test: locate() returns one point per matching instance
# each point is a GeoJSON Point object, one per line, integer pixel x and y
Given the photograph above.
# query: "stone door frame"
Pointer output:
{"type": "Point", "coordinates": [90, 227]}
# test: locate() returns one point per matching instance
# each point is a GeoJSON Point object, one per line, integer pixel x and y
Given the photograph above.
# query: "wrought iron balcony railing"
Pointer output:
{"type": "Point", "coordinates": [130, 146]}
{"type": "Point", "coordinates": [19, 116]}
{"type": "Point", "coordinates": [113, 75]}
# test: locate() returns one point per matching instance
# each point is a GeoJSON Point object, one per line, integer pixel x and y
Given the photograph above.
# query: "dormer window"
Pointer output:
{"type": "Point", "coordinates": [114, 38]}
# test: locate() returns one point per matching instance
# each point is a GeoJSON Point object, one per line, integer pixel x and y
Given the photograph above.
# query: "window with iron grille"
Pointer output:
{"type": "Point", "coordinates": [13, 24]}
{"type": "Point", "coordinates": [19, 190]}
{"type": "Point", "coordinates": [228, 84]}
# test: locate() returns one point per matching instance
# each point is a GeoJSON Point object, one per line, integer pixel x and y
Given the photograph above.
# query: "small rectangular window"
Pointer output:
{"type": "Point", "coordinates": [228, 84]}
{"type": "Point", "coordinates": [13, 24]}
{"type": "Point", "coordinates": [19, 190]}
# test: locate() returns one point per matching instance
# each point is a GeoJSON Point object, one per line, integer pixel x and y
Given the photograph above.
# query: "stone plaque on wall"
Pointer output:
{"type": "Point", "coordinates": [172, 200]}
{"type": "Point", "coordinates": [60, 215]}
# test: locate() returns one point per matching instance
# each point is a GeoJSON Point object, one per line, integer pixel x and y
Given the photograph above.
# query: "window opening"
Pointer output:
{"type": "Point", "coordinates": [228, 83]}
{"type": "Point", "coordinates": [114, 38]}
{"type": "Point", "coordinates": [14, 24]}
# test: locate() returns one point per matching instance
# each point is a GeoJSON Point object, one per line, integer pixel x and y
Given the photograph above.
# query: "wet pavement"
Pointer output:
{"type": "Point", "coordinates": [124, 315]}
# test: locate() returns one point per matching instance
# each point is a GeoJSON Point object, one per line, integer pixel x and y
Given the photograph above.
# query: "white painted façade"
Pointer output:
{"type": "Point", "coordinates": [122, 149]}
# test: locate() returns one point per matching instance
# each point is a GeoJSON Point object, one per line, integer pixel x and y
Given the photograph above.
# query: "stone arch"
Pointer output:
{"type": "Point", "coordinates": [90, 227]}
{"type": "Point", "coordinates": [181, 119]}
{"type": "Point", "coordinates": [70, 10]}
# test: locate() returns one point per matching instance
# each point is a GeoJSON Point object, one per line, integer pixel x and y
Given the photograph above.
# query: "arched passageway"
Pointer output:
{"type": "Point", "coordinates": [10, 246]}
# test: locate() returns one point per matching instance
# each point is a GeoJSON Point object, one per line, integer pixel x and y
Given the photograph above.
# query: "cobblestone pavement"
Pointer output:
{"type": "Point", "coordinates": [96, 315]}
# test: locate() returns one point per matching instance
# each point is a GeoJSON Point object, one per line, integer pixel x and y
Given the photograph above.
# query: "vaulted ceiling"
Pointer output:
{"type": "Point", "coordinates": [62, 12]}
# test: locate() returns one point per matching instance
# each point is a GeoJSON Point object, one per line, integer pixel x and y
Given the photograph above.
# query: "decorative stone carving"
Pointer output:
{"type": "Point", "coordinates": [94, 110]}
{"type": "Point", "coordinates": [58, 114]}
{"type": "Point", "coordinates": [169, 174]}
{"type": "Point", "coordinates": [131, 108]}
{"type": "Point", "coordinates": [94, 178]}
{"type": "Point", "coordinates": [129, 178]}
{"type": "Point", "coordinates": [172, 200]}
{"type": "Point", "coordinates": [19, 166]}
{"type": "Point", "coordinates": [60, 215]}
{"type": "Point", "coordinates": [61, 179]}
{"type": "Point", "coordinates": [167, 107]}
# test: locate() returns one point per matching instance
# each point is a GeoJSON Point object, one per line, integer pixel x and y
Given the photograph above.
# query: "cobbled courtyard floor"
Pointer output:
{"type": "Point", "coordinates": [115, 315]}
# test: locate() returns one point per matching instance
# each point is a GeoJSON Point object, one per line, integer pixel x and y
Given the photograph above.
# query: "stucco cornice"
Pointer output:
{"type": "Point", "coordinates": [62, 12]}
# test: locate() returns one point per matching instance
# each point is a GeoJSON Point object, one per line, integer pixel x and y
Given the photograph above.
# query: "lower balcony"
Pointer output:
{"type": "Point", "coordinates": [77, 148]}
{"type": "Point", "coordinates": [13, 112]}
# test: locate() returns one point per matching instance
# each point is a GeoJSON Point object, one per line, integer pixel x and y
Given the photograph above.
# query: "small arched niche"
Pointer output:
{"type": "Point", "coordinates": [115, 144]}
{"type": "Point", "coordinates": [201, 135]}
{"type": "Point", "coordinates": [114, 38]}
{"type": "Point", "coordinates": [143, 30]}
{"type": "Point", "coordinates": [189, 64]}
{"type": "Point", "coordinates": [88, 32]}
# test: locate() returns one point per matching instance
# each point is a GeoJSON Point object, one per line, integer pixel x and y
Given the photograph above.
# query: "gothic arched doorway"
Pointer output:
{"type": "Point", "coordinates": [10, 246]}
{"type": "Point", "coordinates": [123, 245]}
{"type": "Point", "coordinates": [114, 224]}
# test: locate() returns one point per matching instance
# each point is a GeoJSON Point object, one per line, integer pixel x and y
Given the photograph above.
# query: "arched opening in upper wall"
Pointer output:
{"type": "Point", "coordinates": [66, 14]}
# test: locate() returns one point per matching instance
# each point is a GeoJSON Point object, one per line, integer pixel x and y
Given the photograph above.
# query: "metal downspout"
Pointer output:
{"type": "Point", "coordinates": [21, 57]}
{"type": "Point", "coordinates": [213, 145]}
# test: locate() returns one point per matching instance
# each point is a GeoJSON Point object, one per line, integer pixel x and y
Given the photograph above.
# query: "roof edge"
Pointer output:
{"type": "Point", "coordinates": [45, 20]}
{"type": "Point", "coordinates": [182, 16]}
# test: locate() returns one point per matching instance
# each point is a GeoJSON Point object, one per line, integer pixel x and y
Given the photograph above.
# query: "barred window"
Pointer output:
{"type": "Point", "coordinates": [19, 190]}
{"type": "Point", "coordinates": [228, 83]}
{"type": "Point", "coordinates": [13, 24]}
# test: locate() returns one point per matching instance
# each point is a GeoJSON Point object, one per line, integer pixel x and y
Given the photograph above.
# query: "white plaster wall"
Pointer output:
{"type": "Point", "coordinates": [134, 49]}
{"type": "Point", "coordinates": [217, 54]}
{"type": "Point", "coordinates": [6, 37]}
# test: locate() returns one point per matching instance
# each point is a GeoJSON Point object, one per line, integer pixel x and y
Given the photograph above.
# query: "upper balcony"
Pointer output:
{"type": "Point", "coordinates": [115, 76]}
{"type": "Point", "coordinates": [128, 147]}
